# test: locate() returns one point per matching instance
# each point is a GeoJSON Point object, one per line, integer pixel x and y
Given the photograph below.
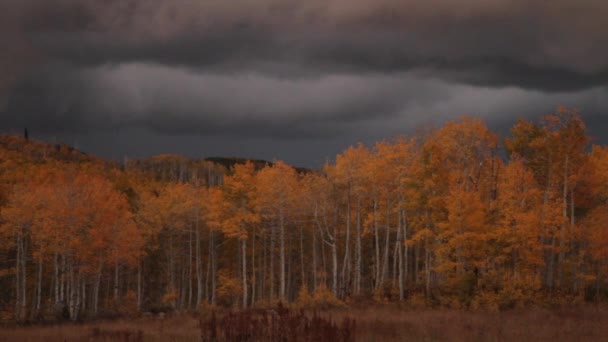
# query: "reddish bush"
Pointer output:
{"type": "Point", "coordinates": [279, 324]}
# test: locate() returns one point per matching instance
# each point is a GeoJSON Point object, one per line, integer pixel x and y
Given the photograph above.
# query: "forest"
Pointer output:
{"type": "Point", "coordinates": [453, 216]}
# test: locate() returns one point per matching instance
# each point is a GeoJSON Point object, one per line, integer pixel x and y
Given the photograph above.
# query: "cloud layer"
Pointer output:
{"type": "Point", "coordinates": [494, 39]}
{"type": "Point", "coordinates": [290, 69]}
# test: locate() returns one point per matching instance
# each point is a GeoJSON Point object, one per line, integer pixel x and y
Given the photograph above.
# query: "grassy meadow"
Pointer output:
{"type": "Point", "coordinates": [583, 323]}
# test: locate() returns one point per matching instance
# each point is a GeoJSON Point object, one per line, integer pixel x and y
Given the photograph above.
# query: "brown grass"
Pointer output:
{"type": "Point", "coordinates": [176, 328]}
{"type": "Point", "coordinates": [583, 323]}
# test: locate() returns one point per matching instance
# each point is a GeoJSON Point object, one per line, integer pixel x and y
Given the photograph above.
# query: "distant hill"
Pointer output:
{"type": "Point", "coordinates": [171, 167]}
{"type": "Point", "coordinates": [165, 167]}
{"type": "Point", "coordinates": [39, 150]}
{"type": "Point", "coordinates": [259, 163]}
{"type": "Point", "coordinates": [176, 168]}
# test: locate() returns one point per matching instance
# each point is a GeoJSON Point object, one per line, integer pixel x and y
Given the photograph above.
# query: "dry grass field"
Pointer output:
{"type": "Point", "coordinates": [584, 323]}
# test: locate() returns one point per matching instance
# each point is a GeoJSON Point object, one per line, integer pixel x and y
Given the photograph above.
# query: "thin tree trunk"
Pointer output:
{"type": "Point", "coordinates": [18, 278]}
{"type": "Point", "coordinates": [324, 261]}
{"type": "Point", "coordinates": [377, 245]}
{"type": "Point", "coordinates": [183, 283]}
{"type": "Point", "coordinates": [597, 281]}
{"type": "Point", "coordinates": [198, 263]}
{"type": "Point", "coordinates": [334, 254]}
{"type": "Point", "coordinates": [263, 268]}
{"type": "Point", "coordinates": [62, 279]}
{"type": "Point", "coordinates": [213, 268]}
{"type": "Point", "coordinates": [551, 253]}
{"type": "Point", "coordinates": [282, 255]}
{"type": "Point", "coordinates": [416, 264]}
{"type": "Point", "coordinates": [427, 267]}
{"type": "Point", "coordinates": [96, 291]}
{"type": "Point", "coordinates": [302, 269]}
{"type": "Point", "coordinates": [384, 272]}
{"type": "Point", "coordinates": [24, 252]}
{"type": "Point", "coordinates": [190, 254]}
{"type": "Point", "coordinates": [394, 271]}
{"type": "Point", "coordinates": [116, 281]}
{"type": "Point", "coordinates": [346, 260]}
{"type": "Point", "coordinates": [139, 286]}
{"type": "Point", "coordinates": [76, 286]}
{"type": "Point", "coordinates": [253, 268]}
{"type": "Point", "coordinates": [71, 292]}
{"type": "Point", "coordinates": [271, 256]}
{"type": "Point", "coordinates": [244, 266]}
{"type": "Point", "coordinates": [208, 272]}
{"type": "Point", "coordinates": [38, 288]}
{"type": "Point", "coordinates": [575, 248]}
{"type": "Point", "coordinates": [405, 252]}
{"type": "Point", "coordinates": [314, 259]}
{"type": "Point", "coordinates": [171, 261]}
{"type": "Point", "coordinates": [562, 238]}
{"type": "Point", "coordinates": [289, 267]}
{"type": "Point", "coordinates": [551, 265]}
{"type": "Point", "coordinates": [399, 258]}
{"type": "Point", "coordinates": [323, 231]}
{"type": "Point", "coordinates": [358, 257]}
{"type": "Point", "coordinates": [83, 295]}
{"type": "Point", "coordinates": [56, 275]}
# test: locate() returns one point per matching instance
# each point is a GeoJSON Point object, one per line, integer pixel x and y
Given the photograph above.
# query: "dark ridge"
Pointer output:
{"type": "Point", "coordinates": [176, 168]}
{"type": "Point", "coordinates": [229, 162]}
{"type": "Point", "coordinates": [161, 167]}
{"type": "Point", "coordinates": [40, 150]}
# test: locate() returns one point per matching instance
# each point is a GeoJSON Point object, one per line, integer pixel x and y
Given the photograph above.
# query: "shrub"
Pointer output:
{"type": "Point", "coordinates": [304, 299]}
{"type": "Point", "coordinates": [229, 289]}
{"type": "Point", "coordinates": [385, 293]}
{"type": "Point", "coordinates": [323, 298]}
{"type": "Point", "coordinates": [128, 305]}
{"type": "Point", "coordinates": [417, 301]}
{"type": "Point", "coordinates": [278, 324]}
{"type": "Point", "coordinates": [170, 298]}
{"type": "Point", "coordinates": [485, 301]}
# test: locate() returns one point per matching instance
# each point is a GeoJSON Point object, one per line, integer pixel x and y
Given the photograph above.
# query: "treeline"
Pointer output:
{"type": "Point", "coordinates": [441, 218]}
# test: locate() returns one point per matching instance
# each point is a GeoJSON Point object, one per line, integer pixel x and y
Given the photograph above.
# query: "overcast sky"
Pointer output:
{"type": "Point", "coordinates": [290, 79]}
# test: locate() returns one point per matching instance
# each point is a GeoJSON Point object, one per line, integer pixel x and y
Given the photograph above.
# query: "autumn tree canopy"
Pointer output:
{"type": "Point", "coordinates": [454, 217]}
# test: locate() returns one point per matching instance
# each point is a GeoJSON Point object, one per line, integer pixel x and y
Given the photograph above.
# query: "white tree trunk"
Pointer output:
{"type": "Point", "coordinates": [282, 255]}
{"type": "Point", "coordinates": [244, 267]}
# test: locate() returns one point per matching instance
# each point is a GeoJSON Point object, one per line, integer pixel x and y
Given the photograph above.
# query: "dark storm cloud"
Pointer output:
{"type": "Point", "coordinates": [15, 52]}
{"type": "Point", "coordinates": [317, 70]}
{"type": "Point", "coordinates": [552, 45]}
{"type": "Point", "coordinates": [176, 101]}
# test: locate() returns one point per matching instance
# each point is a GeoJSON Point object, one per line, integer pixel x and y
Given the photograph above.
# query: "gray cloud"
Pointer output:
{"type": "Point", "coordinates": [306, 73]}
{"type": "Point", "coordinates": [303, 143]}
{"type": "Point", "coordinates": [557, 45]}
{"type": "Point", "coordinates": [177, 101]}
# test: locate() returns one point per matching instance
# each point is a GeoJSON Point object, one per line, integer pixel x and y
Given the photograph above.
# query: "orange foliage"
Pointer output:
{"type": "Point", "coordinates": [442, 218]}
